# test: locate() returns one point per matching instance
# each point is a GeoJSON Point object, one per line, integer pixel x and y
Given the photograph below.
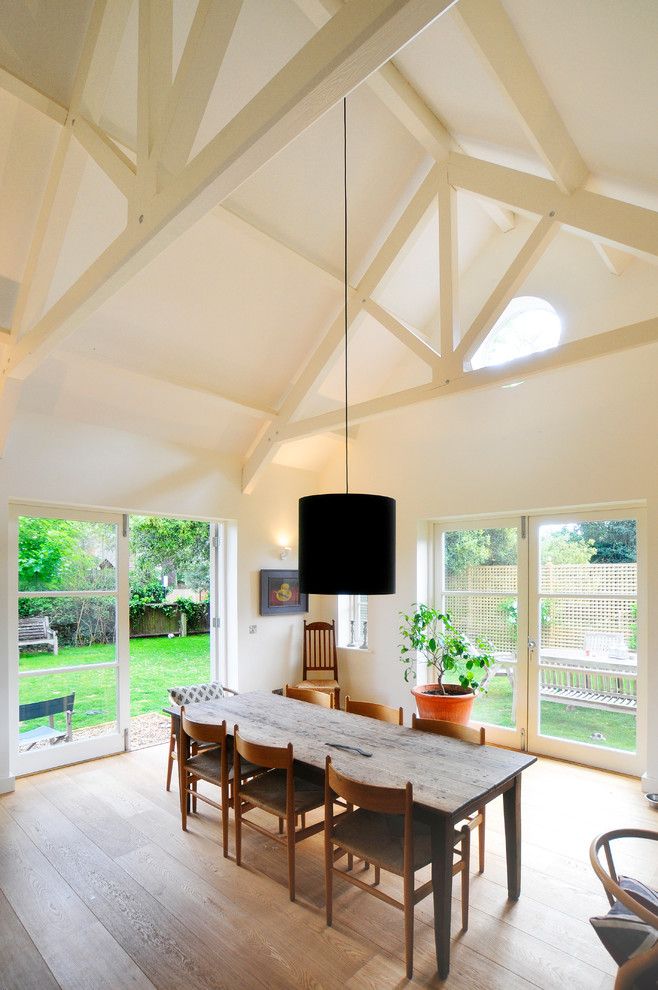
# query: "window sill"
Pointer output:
{"type": "Point", "coordinates": [356, 649]}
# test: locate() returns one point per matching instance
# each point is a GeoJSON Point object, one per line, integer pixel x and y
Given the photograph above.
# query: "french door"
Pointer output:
{"type": "Point", "coordinates": [559, 597]}
{"type": "Point", "coordinates": [69, 628]}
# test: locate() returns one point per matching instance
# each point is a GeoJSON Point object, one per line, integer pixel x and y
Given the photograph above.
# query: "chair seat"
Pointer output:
{"type": "Point", "coordinates": [269, 792]}
{"type": "Point", "coordinates": [206, 765]}
{"type": "Point", "coordinates": [379, 839]}
{"type": "Point", "coordinates": [42, 732]}
{"type": "Point", "coordinates": [318, 685]}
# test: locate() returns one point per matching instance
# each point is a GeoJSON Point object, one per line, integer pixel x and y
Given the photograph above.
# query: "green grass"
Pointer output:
{"type": "Point", "coordinates": [573, 724]}
{"type": "Point", "coordinates": [155, 665]}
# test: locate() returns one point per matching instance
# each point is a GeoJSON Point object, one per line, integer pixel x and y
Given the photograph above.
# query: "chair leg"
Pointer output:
{"type": "Point", "coordinates": [350, 857]}
{"type": "Point", "coordinates": [481, 839]}
{"type": "Point", "coordinates": [170, 759]}
{"type": "Point", "coordinates": [328, 875]}
{"type": "Point", "coordinates": [237, 812]}
{"type": "Point", "coordinates": [225, 807]}
{"type": "Point", "coordinates": [377, 876]}
{"type": "Point", "coordinates": [466, 866]}
{"type": "Point", "coordinates": [290, 829]}
{"type": "Point", "coordinates": [184, 798]}
{"type": "Point", "coordinates": [195, 784]}
{"type": "Point", "coordinates": [409, 924]}
{"type": "Point", "coordinates": [280, 826]}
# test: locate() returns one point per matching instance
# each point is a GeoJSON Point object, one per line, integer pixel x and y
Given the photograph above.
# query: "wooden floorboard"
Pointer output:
{"type": "Point", "coordinates": [100, 888]}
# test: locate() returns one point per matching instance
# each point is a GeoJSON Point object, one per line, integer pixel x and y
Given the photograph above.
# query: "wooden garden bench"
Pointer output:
{"type": "Point", "coordinates": [34, 630]}
{"type": "Point", "coordinates": [589, 686]}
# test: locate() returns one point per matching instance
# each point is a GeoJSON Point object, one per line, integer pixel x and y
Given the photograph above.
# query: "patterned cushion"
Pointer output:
{"type": "Point", "coordinates": [196, 692]}
{"type": "Point", "coordinates": [624, 935]}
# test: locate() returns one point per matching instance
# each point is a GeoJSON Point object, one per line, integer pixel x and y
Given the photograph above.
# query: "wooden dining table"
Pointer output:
{"type": "Point", "coordinates": [450, 778]}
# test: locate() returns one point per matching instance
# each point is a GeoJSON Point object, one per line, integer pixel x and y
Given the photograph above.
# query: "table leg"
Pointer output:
{"type": "Point", "coordinates": [442, 843]}
{"type": "Point", "coordinates": [512, 808]}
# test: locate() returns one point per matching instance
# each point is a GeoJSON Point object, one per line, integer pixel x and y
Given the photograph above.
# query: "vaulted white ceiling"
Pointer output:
{"type": "Point", "coordinates": [215, 338]}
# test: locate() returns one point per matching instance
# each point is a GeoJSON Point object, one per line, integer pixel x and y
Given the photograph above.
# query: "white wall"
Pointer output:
{"type": "Point", "coordinates": [56, 461]}
{"type": "Point", "coordinates": [580, 436]}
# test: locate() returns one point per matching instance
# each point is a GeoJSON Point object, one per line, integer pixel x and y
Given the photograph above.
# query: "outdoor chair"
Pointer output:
{"type": "Point", "coordinates": [189, 695]}
{"type": "Point", "coordinates": [629, 930]}
{"type": "Point", "coordinates": [383, 832]}
{"type": "Point", "coordinates": [46, 709]}
{"type": "Point", "coordinates": [320, 657]}
{"type": "Point", "coordinates": [281, 792]}
{"type": "Point", "coordinates": [384, 713]}
{"type": "Point", "coordinates": [467, 733]}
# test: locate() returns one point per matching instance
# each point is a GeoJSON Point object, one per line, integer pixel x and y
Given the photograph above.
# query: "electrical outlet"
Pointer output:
{"type": "Point", "coordinates": [253, 629]}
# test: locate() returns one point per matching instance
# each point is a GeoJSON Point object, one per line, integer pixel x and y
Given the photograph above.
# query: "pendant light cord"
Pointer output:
{"type": "Point", "coordinates": [347, 475]}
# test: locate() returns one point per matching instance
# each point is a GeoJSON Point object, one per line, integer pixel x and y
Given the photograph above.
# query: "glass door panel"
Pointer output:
{"type": "Point", "coordinates": [67, 632]}
{"type": "Point", "coordinates": [584, 661]}
{"type": "Point", "coordinates": [479, 581]}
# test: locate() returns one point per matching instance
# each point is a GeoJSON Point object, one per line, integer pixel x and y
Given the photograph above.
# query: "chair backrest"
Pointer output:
{"type": "Point", "coordinates": [320, 647]}
{"type": "Point", "coordinates": [609, 878]}
{"type": "Point", "coordinates": [468, 733]}
{"type": "Point", "coordinates": [386, 800]}
{"type": "Point", "coordinates": [323, 698]}
{"type": "Point", "coordinates": [272, 757]}
{"type": "Point", "coordinates": [384, 713]}
{"type": "Point", "coordinates": [202, 731]}
{"type": "Point", "coordinates": [33, 625]}
{"type": "Point", "coordinates": [43, 709]}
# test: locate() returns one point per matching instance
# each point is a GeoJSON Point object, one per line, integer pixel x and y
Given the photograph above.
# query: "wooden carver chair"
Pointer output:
{"type": "Point", "coordinates": [383, 832]}
{"type": "Point", "coordinates": [383, 713]}
{"type": "Point", "coordinates": [313, 697]}
{"type": "Point", "coordinates": [320, 659]}
{"type": "Point", "coordinates": [630, 929]}
{"type": "Point", "coordinates": [468, 733]}
{"type": "Point", "coordinates": [280, 792]}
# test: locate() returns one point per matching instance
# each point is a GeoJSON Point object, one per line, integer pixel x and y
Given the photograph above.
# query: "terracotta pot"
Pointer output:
{"type": "Point", "coordinates": [454, 706]}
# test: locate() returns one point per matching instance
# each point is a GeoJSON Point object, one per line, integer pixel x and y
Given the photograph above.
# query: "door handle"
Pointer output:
{"type": "Point", "coordinates": [532, 644]}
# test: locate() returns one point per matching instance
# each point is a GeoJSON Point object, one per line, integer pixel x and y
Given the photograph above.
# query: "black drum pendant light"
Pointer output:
{"type": "Point", "coordinates": [346, 541]}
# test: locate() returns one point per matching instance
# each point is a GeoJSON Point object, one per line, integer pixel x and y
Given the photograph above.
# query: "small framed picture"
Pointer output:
{"type": "Point", "coordinates": [280, 594]}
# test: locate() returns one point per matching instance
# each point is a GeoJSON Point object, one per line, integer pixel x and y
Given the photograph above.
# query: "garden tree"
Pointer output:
{"type": "Point", "coordinates": [566, 546]}
{"type": "Point", "coordinates": [615, 540]}
{"type": "Point", "coordinates": [472, 547]}
{"type": "Point", "coordinates": [179, 548]}
{"type": "Point", "coordinates": [64, 554]}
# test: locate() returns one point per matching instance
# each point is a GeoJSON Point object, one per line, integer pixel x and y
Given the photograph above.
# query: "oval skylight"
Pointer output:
{"type": "Point", "coordinates": [527, 326]}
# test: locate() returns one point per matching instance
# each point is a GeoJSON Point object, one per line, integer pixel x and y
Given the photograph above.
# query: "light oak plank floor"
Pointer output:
{"type": "Point", "coordinates": [100, 888]}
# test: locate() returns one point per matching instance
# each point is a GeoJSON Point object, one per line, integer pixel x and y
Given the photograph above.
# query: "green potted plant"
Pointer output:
{"type": "Point", "coordinates": [429, 633]}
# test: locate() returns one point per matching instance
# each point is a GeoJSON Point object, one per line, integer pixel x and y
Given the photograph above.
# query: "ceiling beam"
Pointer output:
{"type": "Point", "coordinates": [101, 46]}
{"type": "Point", "coordinates": [32, 96]}
{"type": "Point", "coordinates": [614, 260]}
{"type": "Point", "coordinates": [405, 103]}
{"type": "Point", "coordinates": [537, 243]}
{"type": "Point", "coordinates": [363, 35]}
{"type": "Point", "coordinates": [449, 331]}
{"type": "Point", "coordinates": [494, 37]}
{"type": "Point", "coordinates": [393, 246]}
{"type": "Point", "coordinates": [154, 68]}
{"type": "Point", "coordinates": [573, 352]}
{"type": "Point", "coordinates": [107, 155]}
{"type": "Point", "coordinates": [205, 49]}
{"type": "Point", "coordinates": [411, 340]}
{"type": "Point", "coordinates": [610, 220]}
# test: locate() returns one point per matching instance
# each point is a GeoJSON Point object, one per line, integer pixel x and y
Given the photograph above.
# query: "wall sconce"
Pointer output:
{"type": "Point", "coordinates": [283, 552]}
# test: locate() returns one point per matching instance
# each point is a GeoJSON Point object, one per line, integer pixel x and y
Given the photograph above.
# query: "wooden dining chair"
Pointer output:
{"type": "Point", "coordinates": [188, 695]}
{"type": "Point", "coordinates": [279, 792]}
{"type": "Point", "coordinates": [205, 753]}
{"type": "Point", "coordinates": [629, 931]}
{"type": "Point", "coordinates": [320, 659]}
{"type": "Point", "coordinates": [384, 713]}
{"type": "Point", "coordinates": [312, 697]}
{"type": "Point", "coordinates": [383, 832]}
{"type": "Point", "coordinates": [467, 733]}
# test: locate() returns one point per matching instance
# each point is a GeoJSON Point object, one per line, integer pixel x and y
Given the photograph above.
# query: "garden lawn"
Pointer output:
{"type": "Point", "coordinates": [156, 664]}
{"type": "Point", "coordinates": [559, 720]}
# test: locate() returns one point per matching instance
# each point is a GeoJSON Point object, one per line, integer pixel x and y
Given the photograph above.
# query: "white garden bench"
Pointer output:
{"type": "Point", "coordinates": [34, 630]}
